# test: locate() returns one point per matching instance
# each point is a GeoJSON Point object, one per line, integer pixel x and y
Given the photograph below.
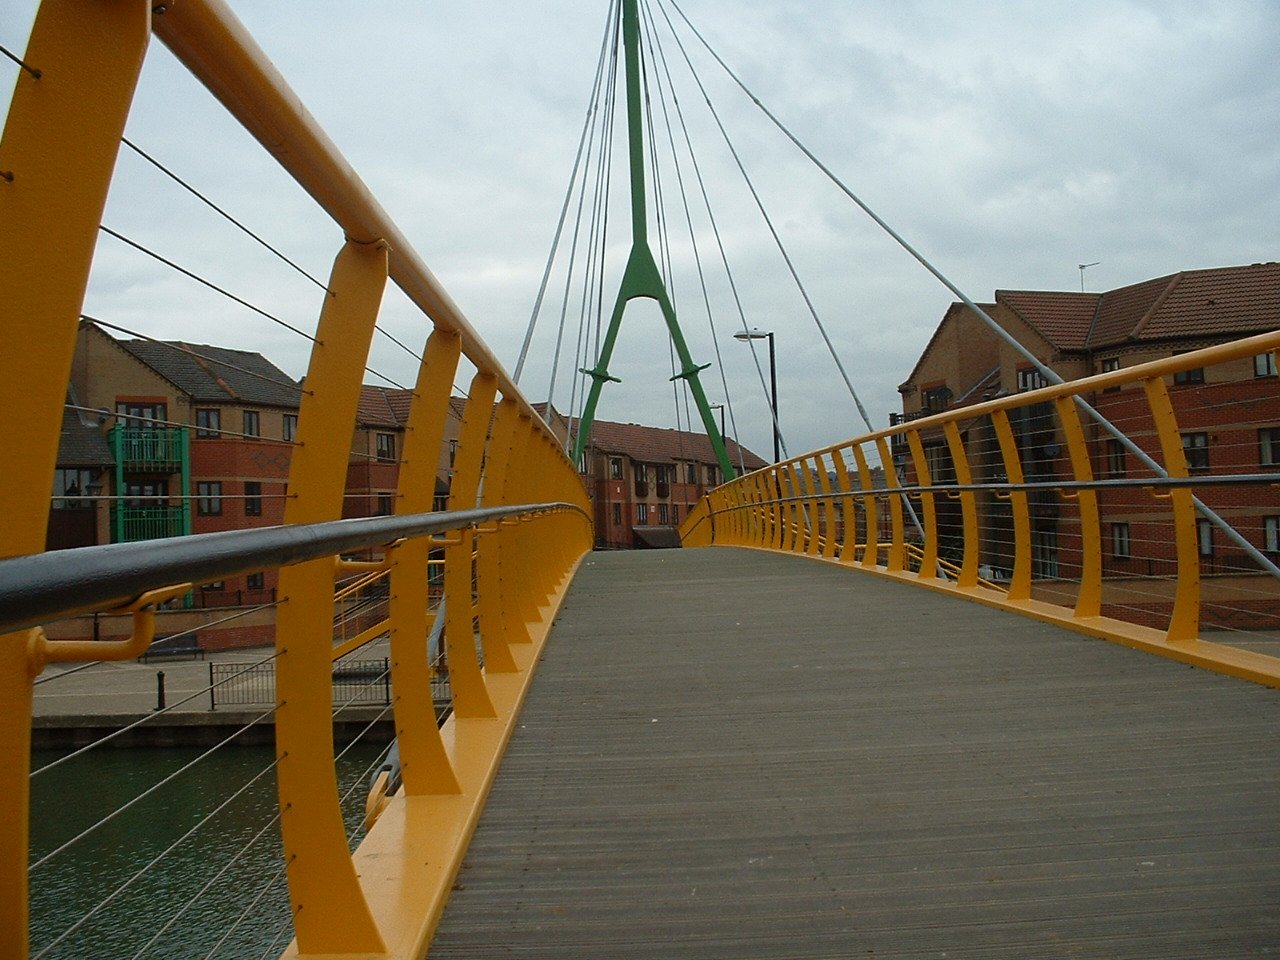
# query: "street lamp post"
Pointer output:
{"type": "Point", "coordinates": [720, 407]}
{"type": "Point", "coordinates": [757, 334]}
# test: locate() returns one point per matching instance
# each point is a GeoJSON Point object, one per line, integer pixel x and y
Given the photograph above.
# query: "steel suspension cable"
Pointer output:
{"type": "Point", "coordinates": [146, 793]}
{"type": "Point", "coordinates": [217, 209]}
{"type": "Point", "coordinates": [596, 240]}
{"type": "Point", "coordinates": [594, 118]}
{"type": "Point", "coordinates": [1045, 371]}
{"type": "Point", "coordinates": [660, 59]}
{"type": "Point", "coordinates": [168, 709]}
{"type": "Point", "coordinates": [777, 239]}
{"type": "Point", "coordinates": [185, 350]}
{"type": "Point", "coordinates": [150, 865]}
{"type": "Point", "coordinates": [724, 257]}
{"type": "Point", "coordinates": [247, 911]}
{"type": "Point", "coordinates": [191, 901]}
{"type": "Point", "coordinates": [587, 123]}
{"type": "Point", "coordinates": [229, 295]}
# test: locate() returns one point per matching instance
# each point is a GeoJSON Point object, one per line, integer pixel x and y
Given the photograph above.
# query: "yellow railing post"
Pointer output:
{"type": "Point", "coordinates": [1184, 623]}
{"type": "Point", "coordinates": [1089, 599]}
{"type": "Point", "coordinates": [897, 559]}
{"type": "Point", "coordinates": [809, 506]}
{"type": "Point", "coordinates": [58, 153]}
{"type": "Point", "coordinates": [848, 508]}
{"type": "Point", "coordinates": [424, 764]}
{"type": "Point", "coordinates": [329, 910]}
{"type": "Point", "coordinates": [1020, 581]}
{"type": "Point", "coordinates": [870, 512]}
{"type": "Point", "coordinates": [489, 604]}
{"type": "Point", "coordinates": [929, 554]}
{"type": "Point", "coordinates": [828, 510]}
{"type": "Point", "coordinates": [777, 511]}
{"type": "Point", "coordinates": [470, 696]}
{"type": "Point", "coordinates": [968, 576]}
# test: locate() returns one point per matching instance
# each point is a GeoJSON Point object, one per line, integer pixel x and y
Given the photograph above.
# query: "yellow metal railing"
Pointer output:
{"type": "Point", "coordinates": [1070, 499]}
{"type": "Point", "coordinates": [58, 155]}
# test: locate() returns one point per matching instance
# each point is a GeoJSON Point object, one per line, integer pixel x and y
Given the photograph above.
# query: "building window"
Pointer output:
{"type": "Point", "coordinates": [1194, 375]}
{"type": "Point", "coordinates": [71, 489]}
{"type": "Point", "coordinates": [615, 468]}
{"type": "Point", "coordinates": [1196, 448]}
{"type": "Point", "coordinates": [691, 473]}
{"type": "Point", "coordinates": [385, 444]}
{"type": "Point", "coordinates": [208, 422]}
{"type": "Point", "coordinates": [664, 513]}
{"type": "Point", "coordinates": [1044, 554]}
{"type": "Point", "coordinates": [214, 587]}
{"type": "Point", "coordinates": [1271, 534]}
{"type": "Point", "coordinates": [1264, 364]}
{"type": "Point", "coordinates": [582, 463]}
{"type": "Point", "coordinates": [1120, 541]}
{"type": "Point", "coordinates": [252, 424]}
{"type": "Point", "coordinates": [384, 504]}
{"type": "Point", "coordinates": [141, 414]}
{"type": "Point", "coordinates": [938, 463]}
{"type": "Point", "coordinates": [1109, 365]}
{"type": "Point", "coordinates": [713, 475]}
{"type": "Point", "coordinates": [453, 453]}
{"type": "Point", "coordinates": [290, 426]}
{"type": "Point", "coordinates": [617, 514]}
{"type": "Point", "coordinates": [1030, 378]}
{"type": "Point", "coordinates": [252, 498]}
{"type": "Point", "coordinates": [209, 498]}
{"type": "Point", "coordinates": [642, 513]}
{"type": "Point", "coordinates": [1269, 446]}
{"type": "Point", "coordinates": [675, 513]}
{"type": "Point", "coordinates": [1204, 537]}
{"type": "Point", "coordinates": [935, 399]}
{"type": "Point", "coordinates": [1116, 466]}
{"type": "Point", "coordinates": [254, 581]}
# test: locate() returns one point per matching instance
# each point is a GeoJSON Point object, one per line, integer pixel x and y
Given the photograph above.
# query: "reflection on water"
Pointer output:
{"type": "Point", "coordinates": [167, 904]}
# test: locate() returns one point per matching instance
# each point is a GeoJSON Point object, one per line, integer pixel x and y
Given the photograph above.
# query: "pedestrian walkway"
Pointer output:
{"type": "Point", "coordinates": [729, 753]}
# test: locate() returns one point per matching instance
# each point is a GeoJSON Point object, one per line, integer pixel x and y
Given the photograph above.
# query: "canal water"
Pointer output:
{"type": "Point", "coordinates": [223, 882]}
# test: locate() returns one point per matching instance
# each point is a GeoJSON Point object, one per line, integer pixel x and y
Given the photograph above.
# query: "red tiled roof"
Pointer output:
{"type": "Point", "coordinates": [1236, 300]}
{"type": "Point", "coordinates": [662, 444]}
{"type": "Point", "coordinates": [1122, 311]}
{"type": "Point", "coordinates": [383, 406]}
{"type": "Point", "coordinates": [1061, 318]}
{"type": "Point", "coordinates": [1195, 303]}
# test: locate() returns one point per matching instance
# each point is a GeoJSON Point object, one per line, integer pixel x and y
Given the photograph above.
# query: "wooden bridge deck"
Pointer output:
{"type": "Point", "coordinates": [728, 753]}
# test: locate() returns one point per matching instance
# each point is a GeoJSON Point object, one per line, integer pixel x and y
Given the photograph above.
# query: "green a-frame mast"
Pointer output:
{"type": "Point", "coordinates": [641, 278]}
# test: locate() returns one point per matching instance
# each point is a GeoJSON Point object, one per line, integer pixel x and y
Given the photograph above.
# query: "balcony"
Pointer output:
{"type": "Point", "coordinates": [149, 449]}
{"type": "Point", "coordinates": [130, 524]}
{"type": "Point", "coordinates": [642, 488]}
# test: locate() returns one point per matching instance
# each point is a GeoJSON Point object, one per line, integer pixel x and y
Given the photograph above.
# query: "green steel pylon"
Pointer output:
{"type": "Point", "coordinates": [641, 277]}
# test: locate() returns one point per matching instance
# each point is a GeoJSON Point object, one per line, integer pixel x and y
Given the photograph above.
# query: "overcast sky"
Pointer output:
{"type": "Point", "coordinates": [1009, 142]}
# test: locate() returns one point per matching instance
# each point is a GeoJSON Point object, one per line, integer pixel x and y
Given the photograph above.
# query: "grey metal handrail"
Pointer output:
{"type": "Point", "coordinates": [40, 587]}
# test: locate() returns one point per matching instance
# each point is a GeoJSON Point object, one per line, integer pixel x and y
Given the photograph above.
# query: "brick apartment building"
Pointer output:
{"type": "Point", "coordinates": [644, 480]}
{"type": "Point", "coordinates": [1229, 414]}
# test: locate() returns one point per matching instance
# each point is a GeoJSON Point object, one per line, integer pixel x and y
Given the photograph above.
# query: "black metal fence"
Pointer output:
{"type": "Point", "coordinates": [354, 681]}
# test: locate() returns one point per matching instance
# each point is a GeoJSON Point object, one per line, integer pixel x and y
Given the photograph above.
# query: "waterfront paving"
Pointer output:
{"type": "Point", "coordinates": [75, 705]}
{"type": "Point", "coordinates": [728, 753]}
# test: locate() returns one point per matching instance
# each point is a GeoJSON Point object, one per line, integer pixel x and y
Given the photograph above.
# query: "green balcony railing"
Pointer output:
{"type": "Point", "coordinates": [150, 448]}
{"type": "Point", "coordinates": [148, 523]}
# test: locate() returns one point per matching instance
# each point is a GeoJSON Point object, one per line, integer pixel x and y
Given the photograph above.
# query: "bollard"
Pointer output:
{"type": "Point", "coordinates": [159, 690]}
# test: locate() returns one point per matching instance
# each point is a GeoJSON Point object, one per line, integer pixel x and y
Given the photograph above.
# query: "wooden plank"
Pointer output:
{"type": "Point", "coordinates": [733, 753]}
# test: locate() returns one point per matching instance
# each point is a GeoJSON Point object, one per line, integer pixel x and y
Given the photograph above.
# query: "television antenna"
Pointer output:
{"type": "Point", "coordinates": [1083, 267]}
